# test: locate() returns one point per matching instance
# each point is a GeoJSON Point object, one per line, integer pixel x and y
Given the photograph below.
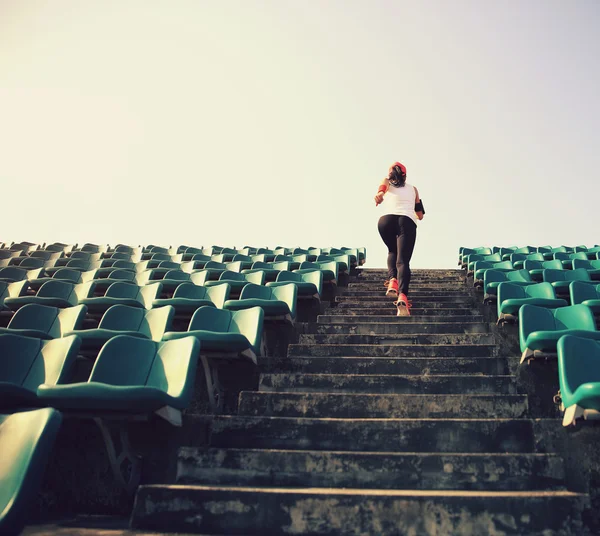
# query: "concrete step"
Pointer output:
{"type": "Point", "coordinates": [372, 435]}
{"type": "Point", "coordinates": [384, 365]}
{"type": "Point", "coordinates": [340, 405]}
{"type": "Point", "coordinates": [388, 383]}
{"type": "Point", "coordinates": [424, 304]}
{"type": "Point", "coordinates": [382, 470]}
{"type": "Point", "coordinates": [382, 298]}
{"type": "Point", "coordinates": [371, 287]}
{"type": "Point", "coordinates": [391, 310]}
{"type": "Point", "coordinates": [370, 328]}
{"type": "Point", "coordinates": [347, 318]}
{"type": "Point", "coordinates": [328, 511]}
{"type": "Point", "coordinates": [392, 350]}
{"type": "Point", "coordinates": [399, 338]}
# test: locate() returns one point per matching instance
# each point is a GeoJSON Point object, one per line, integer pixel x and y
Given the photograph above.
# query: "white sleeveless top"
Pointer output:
{"type": "Point", "coordinates": [400, 201]}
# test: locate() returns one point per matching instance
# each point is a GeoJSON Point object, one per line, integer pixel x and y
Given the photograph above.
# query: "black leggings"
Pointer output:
{"type": "Point", "coordinates": [399, 234]}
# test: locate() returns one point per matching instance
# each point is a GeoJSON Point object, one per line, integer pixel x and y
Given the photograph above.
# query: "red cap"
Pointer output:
{"type": "Point", "coordinates": [401, 166]}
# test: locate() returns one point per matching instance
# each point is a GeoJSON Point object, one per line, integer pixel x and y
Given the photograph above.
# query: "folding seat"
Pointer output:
{"type": "Point", "coordinates": [25, 247]}
{"type": "Point", "coordinates": [213, 271]}
{"type": "Point", "coordinates": [172, 280]}
{"type": "Point", "coordinates": [561, 279]}
{"type": "Point", "coordinates": [244, 260]}
{"type": "Point", "coordinates": [27, 363]}
{"type": "Point", "coordinates": [122, 293]}
{"type": "Point", "coordinates": [225, 337]}
{"type": "Point", "coordinates": [189, 253]}
{"type": "Point", "coordinates": [473, 257]}
{"type": "Point", "coordinates": [247, 251]}
{"type": "Point", "coordinates": [57, 293]}
{"type": "Point", "coordinates": [270, 269]}
{"type": "Point", "coordinates": [236, 281]}
{"type": "Point", "coordinates": [493, 278]}
{"type": "Point", "coordinates": [540, 328]}
{"type": "Point", "coordinates": [519, 264]}
{"type": "Point", "coordinates": [362, 255]}
{"type": "Point", "coordinates": [329, 269]}
{"type": "Point", "coordinates": [85, 256]}
{"type": "Point", "coordinates": [309, 283]}
{"type": "Point", "coordinates": [228, 254]}
{"type": "Point", "coordinates": [48, 256]}
{"type": "Point", "coordinates": [536, 268]}
{"type": "Point", "coordinates": [511, 297]}
{"type": "Point", "coordinates": [194, 265]}
{"type": "Point", "coordinates": [578, 378]}
{"type": "Point", "coordinates": [94, 248]}
{"type": "Point", "coordinates": [73, 264]}
{"type": "Point", "coordinates": [294, 260]}
{"type": "Point", "coordinates": [26, 443]}
{"type": "Point", "coordinates": [59, 247]}
{"type": "Point", "coordinates": [64, 274]}
{"type": "Point", "coordinates": [109, 265]}
{"type": "Point", "coordinates": [30, 263]}
{"type": "Point", "coordinates": [567, 258]}
{"type": "Point", "coordinates": [10, 274]}
{"type": "Point", "coordinates": [520, 252]}
{"type": "Point", "coordinates": [280, 250]}
{"type": "Point", "coordinates": [44, 322]}
{"type": "Point", "coordinates": [115, 276]}
{"type": "Point", "coordinates": [279, 303]}
{"type": "Point", "coordinates": [8, 254]}
{"type": "Point", "coordinates": [129, 250]}
{"type": "Point", "coordinates": [125, 320]}
{"type": "Point", "coordinates": [163, 268]}
{"type": "Point", "coordinates": [592, 267]}
{"type": "Point", "coordinates": [311, 255]}
{"type": "Point", "coordinates": [133, 376]}
{"type": "Point", "coordinates": [549, 255]}
{"type": "Point", "coordinates": [268, 253]}
{"type": "Point", "coordinates": [188, 297]}
{"type": "Point", "coordinates": [586, 294]}
{"type": "Point", "coordinates": [481, 267]}
{"type": "Point", "coordinates": [342, 261]}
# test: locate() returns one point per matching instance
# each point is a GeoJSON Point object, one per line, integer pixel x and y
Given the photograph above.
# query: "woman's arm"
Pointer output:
{"type": "Point", "coordinates": [418, 200]}
{"type": "Point", "coordinates": [383, 187]}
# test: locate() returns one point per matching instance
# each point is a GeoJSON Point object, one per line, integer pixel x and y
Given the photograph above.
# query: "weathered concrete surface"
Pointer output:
{"type": "Point", "coordinates": [400, 435]}
{"type": "Point", "coordinates": [388, 383]}
{"type": "Point", "coordinates": [256, 510]}
{"type": "Point", "coordinates": [374, 470]}
{"type": "Point", "coordinates": [371, 328]}
{"type": "Point", "coordinates": [415, 311]}
{"type": "Point", "coordinates": [381, 406]}
{"type": "Point", "coordinates": [398, 338]}
{"type": "Point", "coordinates": [388, 365]}
{"type": "Point", "coordinates": [395, 320]}
{"type": "Point", "coordinates": [392, 350]}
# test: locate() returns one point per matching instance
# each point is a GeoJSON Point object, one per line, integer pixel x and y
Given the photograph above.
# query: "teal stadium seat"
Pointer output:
{"type": "Point", "coordinates": [480, 268]}
{"type": "Point", "coordinates": [271, 269]}
{"type": "Point", "coordinates": [27, 362]}
{"type": "Point", "coordinates": [122, 293]}
{"type": "Point", "coordinates": [561, 279]}
{"type": "Point", "coordinates": [586, 294]}
{"type": "Point", "coordinates": [44, 322]}
{"type": "Point", "coordinates": [279, 303]}
{"type": "Point", "coordinates": [26, 442]}
{"type": "Point", "coordinates": [125, 320]}
{"type": "Point", "coordinates": [592, 267]}
{"type": "Point", "coordinates": [536, 268]}
{"type": "Point", "coordinates": [511, 297]}
{"type": "Point", "coordinates": [133, 376]}
{"type": "Point", "coordinates": [309, 283]}
{"type": "Point", "coordinates": [57, 293]}
{"type": "Point", "coordinates": [237, 281]}
{"type": "Point", "coordinates": [519, 264]}
{"type": "Point", "coordinates": [188, 297]}
{"type": "Point", "coordinates": [579, 378]}
{"type": "Point", "coordinates": [493, 278]}
{"type": "Point", "coordinates": [540, 328]}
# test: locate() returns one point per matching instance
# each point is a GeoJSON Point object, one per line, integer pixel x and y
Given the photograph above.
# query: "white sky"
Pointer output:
{"type": "Point", "coordinates": [271, 122]}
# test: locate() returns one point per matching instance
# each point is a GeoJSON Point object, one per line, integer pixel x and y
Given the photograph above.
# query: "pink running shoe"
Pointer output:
{"type": "Point", "coordinates": [403, 305]}
{"type": "Point", "coordinates": [392, 288]}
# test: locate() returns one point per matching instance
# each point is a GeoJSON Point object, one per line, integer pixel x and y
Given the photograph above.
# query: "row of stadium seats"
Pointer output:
{"type": "Point", "coordinates": [143, 317]}
{"type": "Point", "coordinates": [554, 297]}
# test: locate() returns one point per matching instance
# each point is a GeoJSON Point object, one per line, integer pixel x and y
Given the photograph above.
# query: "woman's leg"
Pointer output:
{"type": "Point", "coordinates": [407, 236]}
{"type": "Point", "coordinates": [388, 230]}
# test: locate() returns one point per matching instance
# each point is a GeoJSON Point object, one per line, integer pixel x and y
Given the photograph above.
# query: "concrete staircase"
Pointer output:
{"type": "Point", "coordinates": [375, 424]}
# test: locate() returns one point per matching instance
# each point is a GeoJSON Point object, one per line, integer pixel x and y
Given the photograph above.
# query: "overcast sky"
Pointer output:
{"type": "Point", "coordinates": [271, 122]}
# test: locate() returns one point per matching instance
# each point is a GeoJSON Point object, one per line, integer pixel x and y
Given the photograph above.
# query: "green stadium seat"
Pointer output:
{"type": "Point", "coordinates": [125, 320]}
{"type": "Point", "coordinates": [586, 294]}
{"type": "Point", "coordinates": [57, 293]}
{"type": "Point", "coordinates": [271, 269]}
{"type": "Point", "coordinates": [481, 266]}
{"type": "Point", "coordinates": [197, 262]}
{"type": "Point", "coordinates": [540, 328]}
{"type": "Point", "coordinates": [519, 264]}
{"type": "Point", "coordinates": [74, 264]}
{"type": "Point", "coordinates": [237, 281]}
{"type": "Point", "coordinates": [579, 378]}
{"type": "Point", "coordinates": [132, 375]}
{"type": "Point", "coordinates": [329, 269]}
{"type": "Point", "coordinates": [26, 442]}
{"type": "Point", "coordinates": [343, 262]}
{"type": "Point", "coordinates": [536, 268]}
{"type": "Point", "coordinates": [493, 278]}
{"type": "Point", "coordinates": [561, 279]}
{"type": "Point", "coordinates": [567, 258]}
{"type": "Point", "coordinates": [471, 259]}
{"type": "Point", "coordinates": [592, 267]}
{"type": "Point", "coordinates": [11, 274]}
{"type": "Point", "coordinates": [44, 322]}
{"type": "Point", "coordinates": [279, 303]}
{"type": "Point", "coordinates": [244, 260]}
{"type": "Point", "coordinates": [64, 274]}
{"type": "Point", "coordinates": [511, 297]}
{"type": "Point", "coordinates": [123, 293]}
{"type": "Point", "coordinates": [268, 253]}
{"type": "Point", "coordinates": [27, 363]}
{"type": "Point", "coordinates": [188, 297]}
{"type": "Point", "coordinates": [309, 283]}
{"type": "Point", "coordinates": [294, 260]}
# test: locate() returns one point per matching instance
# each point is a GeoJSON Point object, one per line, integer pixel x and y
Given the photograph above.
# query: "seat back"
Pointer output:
{"type": "Point", "coordinates": [574, 317]}
{"type": "Point", "coordinates": [514, 257]}
{"type": "Point", "coordinates": [579, 292]}
{"type": "Point", "coordinates": [35, 316]}
{"type": "Point", "coordinates": [288, 294]}
{"type": "Point", "coordinates": [211, 319]}
{"type": "Point", "coordinates": [280, 265]}
{"type": "Point", "coordinates": [260, 265]}
{"type": "Point", "coordinates": [550, 275]}
{"type": "Point", "coordinates": [123, 275]}
{"type": "Point", "coordinates": [518, 275]}
{"type": "Point", "coordinates": [532, 265]}
{"type": "Point", "coordinates": [122, 318]}
{"type": "Point", "coordinates": [578, 363]}
{"type": "Point", "coordinates": [250, 324]}
{"type": "Point", "coordinates": [228, 275]}
{"type": "Point", "coordinates": [553, 265]}
{"type": "Point", "coordinates": [174, 368]}
{"type": "Point", "coordinates": [242, 258]}
{"type": "Point", "coordinates": [219, 293]}
{"type": "Point", "coordinates": [148, 293]}
{"type": "Point", "coordinates": [540, 290]}
{"type": "Point", "coordinates": [535, 257]}
{"type": "Point", "coordinates": [579, 255]}
{"type": "Point", "coordinates": [289, 276]}
{"type": "Point", "coordinates": [156, 321]}
{"type": "Point", "coordinates": [561, 256]}
{"type": "Point", "coordinates": [217, 265]}
{"type": "Point", "coordinates": [122, 289]}
{"type": "Point", "coordinates": [252, 291]}
{"type": "Point", "coordinates": [258, 277]}
{"type": "Point", "coordinates": [177, 275]}
{"type": "Point", "coordinates": [169, 264]}
{"type": "Point", "coordinates": [190, 291]}
{"type": "Point", "coordinates": [67, 274]}
{"type": "Point", "coordinates": [579, 274]}
{"type": "Point", "coordinates": [502, 265]}
{"type": "Point", "coordinates": [13, 273]}
{"type": "Point", "coordinates": [58, 289]}
{"type": "Point", "coordinates": [124, 360]}
{"type": "Point", "coordinates": [533, 318]}
{"type": "Point", "coordinates": [235, 266]}
{"type": "Point", "coordinates": [32, 263]}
